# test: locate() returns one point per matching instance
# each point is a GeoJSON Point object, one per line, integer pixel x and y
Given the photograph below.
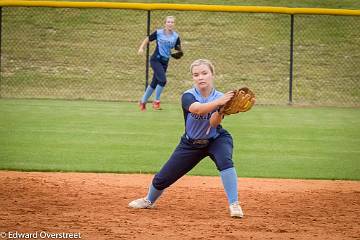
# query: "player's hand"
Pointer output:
{"type": "Point", "coordinates": [225, 98]}
{"type": "Point", "coordinates": [140, 51]}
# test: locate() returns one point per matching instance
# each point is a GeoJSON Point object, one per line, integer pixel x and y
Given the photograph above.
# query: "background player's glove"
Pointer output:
{"type": "Point", "coordinates": [178, 54]}
{"type": "Point", "coordinates": [242, 101]}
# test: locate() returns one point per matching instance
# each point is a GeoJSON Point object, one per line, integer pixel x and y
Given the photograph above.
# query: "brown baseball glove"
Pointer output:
{"type": "Point", "coordinates": [178, 54]}
{"type": "Point", "coordinates": [242, 101]}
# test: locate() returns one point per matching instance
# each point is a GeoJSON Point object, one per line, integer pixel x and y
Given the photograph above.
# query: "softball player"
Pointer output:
{"type": "Point", "coordinates": [204, 136]}
{"type": "Point", "coordinates": [166, 39]}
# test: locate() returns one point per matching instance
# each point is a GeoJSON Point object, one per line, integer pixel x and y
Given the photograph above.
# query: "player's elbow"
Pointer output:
{"type": "Point", "coordinates": [146, 41]}
{"type": "Point", "coordinates": [199, 111]}
{"type": "Point", "coordinates": [196, 108]}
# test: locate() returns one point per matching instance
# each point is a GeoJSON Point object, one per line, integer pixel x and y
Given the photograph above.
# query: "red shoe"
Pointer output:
{"type": "Point", "coordinates": [156, 105]}
{"type": "Point", "coordinates": [142, 106]}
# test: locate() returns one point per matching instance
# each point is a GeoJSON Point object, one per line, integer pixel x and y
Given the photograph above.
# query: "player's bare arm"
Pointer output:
{"type": "Point", "coordinates": [216, 119]}
{"type": "Point", "coordinates": [204, 108]}
{"type": "Point", "coordinates": [142, 46]}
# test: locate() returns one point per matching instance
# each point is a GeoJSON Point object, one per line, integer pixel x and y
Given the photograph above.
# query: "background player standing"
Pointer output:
{"type": "Point", "coordinates": [166, 39]}
{"type": "Point", "coordinates": [204, 136]}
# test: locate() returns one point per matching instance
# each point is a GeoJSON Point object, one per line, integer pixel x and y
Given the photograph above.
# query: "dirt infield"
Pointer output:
{"type": "Point", "coordinates": [94, 206]}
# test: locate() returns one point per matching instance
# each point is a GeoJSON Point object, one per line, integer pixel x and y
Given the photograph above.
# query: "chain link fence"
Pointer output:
{"type": "Point", "coordinates": [73, 53]}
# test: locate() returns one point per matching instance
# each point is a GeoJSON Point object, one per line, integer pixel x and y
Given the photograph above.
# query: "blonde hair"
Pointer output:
{"type": "Point", "coordinates": [205, 62]}
{"type": "Point", "coordinates": [172, 17]}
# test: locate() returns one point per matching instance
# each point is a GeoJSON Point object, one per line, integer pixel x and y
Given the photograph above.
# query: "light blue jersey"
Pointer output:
{"type": "Point", "coordinates": [196, 126]}
{"type": "Point", "coordinates": [164, 42]}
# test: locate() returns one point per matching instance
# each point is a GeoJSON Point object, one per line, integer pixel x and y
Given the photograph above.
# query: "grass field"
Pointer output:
{"type": "Point", "coordinates": [92, 53]}
{"type": "Point", "coordinates": [280, 142]}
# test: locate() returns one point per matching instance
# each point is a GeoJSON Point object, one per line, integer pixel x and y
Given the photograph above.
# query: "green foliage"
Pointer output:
{"type": "Point", "coordinates": [87, 136]}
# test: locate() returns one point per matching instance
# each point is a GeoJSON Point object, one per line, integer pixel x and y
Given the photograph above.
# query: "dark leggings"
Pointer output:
{"type": "Point", "coordinates": [159, 77]}
{"type": "Point", "coordinates": [186, 156]}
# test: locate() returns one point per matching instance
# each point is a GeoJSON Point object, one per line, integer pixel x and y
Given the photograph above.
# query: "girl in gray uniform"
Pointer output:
{"type": "Point", "coordinates": [204, 136]}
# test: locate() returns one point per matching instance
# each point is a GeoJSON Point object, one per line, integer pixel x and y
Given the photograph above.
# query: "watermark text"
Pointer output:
{"type": "Point", "coordinates": [39, 235]}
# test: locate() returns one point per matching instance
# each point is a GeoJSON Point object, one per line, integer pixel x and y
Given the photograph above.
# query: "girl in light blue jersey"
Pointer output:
{"type": "Point", "coordinates": [166, 39]}
{"type": "Point", "coordinates": [203, 137]}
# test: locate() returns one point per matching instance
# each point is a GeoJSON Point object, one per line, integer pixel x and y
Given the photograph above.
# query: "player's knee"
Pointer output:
{"type": "Point", "coordinates": [153, 85]}
{"type": "Point", "coordinates": [163, 83]}
{"type": "Point", "coordinates": [160, 183]}
{"type": "Point", "coordinates": [224, 166]}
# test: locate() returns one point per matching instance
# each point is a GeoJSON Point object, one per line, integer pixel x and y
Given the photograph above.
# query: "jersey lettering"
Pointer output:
{"type": "Point", "coordinates": [196, 126]}
{"type": "Point", "coordinates": [166, 42]}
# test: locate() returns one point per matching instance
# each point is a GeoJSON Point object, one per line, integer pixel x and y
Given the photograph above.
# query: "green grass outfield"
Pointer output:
{"type": "Point", "coordinates": [89, 136]}
{"type": "Point", "coordinates": [91, 54]}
